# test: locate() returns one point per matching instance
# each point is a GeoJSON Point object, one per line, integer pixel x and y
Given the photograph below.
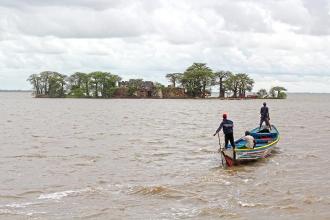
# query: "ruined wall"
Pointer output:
{"type": "Point", "coordinates": [121, 92]}
{"type": "Point", "coordinates": [173, 93]}
{"type": "Point", "coordinates": [166, 93]}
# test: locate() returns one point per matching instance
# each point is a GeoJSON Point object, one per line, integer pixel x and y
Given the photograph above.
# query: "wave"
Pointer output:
{"type": "Point", "coordinates": [8, 212]}
{"type": "Point", "coordinates": [17, 205]}
{"type": "Point", "coordinates": [161, 154]}
{"type": "Point", "coordinates": [180, 213]}
{"type": "Point", "coordinates": [312, 199]}
{"type": "Point", "coordinates": [29, 156]}
{"type": "Point", "coordinates": [10, 197]}
{"type": "Point", "coordinates": [60, 195]}
{"type": "Point", "coordinates": [204, 150]}
{"type": "Point", "coordinates": [218, 212]}
{"type": "Point", "coordinates": [160, 191]}
{"type": "Point", "coordinates": [29, 192]}
{"type": "Point", "coordinates": [287, 207]}
{"type": "Point", "coordinates": [249, 204]}
{"type": "Point", "coordinates": [11, 210]}
{"type": "Point", "coordinates": [101, 213]}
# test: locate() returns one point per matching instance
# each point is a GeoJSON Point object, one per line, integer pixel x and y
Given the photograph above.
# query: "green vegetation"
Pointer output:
{"type": "Point", "coordinates": [262, 93]}
{"type": "Point", "coordinates": [196, 78]}
{"type": "Point", "coordinates": [195, 82]}
{"type": "Point", "coordinates": [276, 92]}
{"type": "Point", "coordinates": [174, 78]}
{"type": "Point", "coordinates": [48, 84]}
{"type": "Point", "coordinates": [219, 78]}
{"type": "Point", "coordinates": [238, 84]}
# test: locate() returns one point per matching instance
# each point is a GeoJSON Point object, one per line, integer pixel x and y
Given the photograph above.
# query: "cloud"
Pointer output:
{"type": "Point", "coordinates": [65, 22]}
{"type": "Point", "coordinates": [295, 83]}
{"type": "Point", "coordinates": [244, 16]}
{"type": "Point", "coordinates": [320, 16]}
{"type": "Point", "coordinates": [267, 39]}
{"type": "Point", "coordinates": [302, 16]}
{"type": "Point", "coordinates": [95, 4]}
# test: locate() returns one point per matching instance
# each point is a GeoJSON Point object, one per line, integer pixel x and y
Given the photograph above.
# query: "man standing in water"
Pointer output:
{"type": "Point", "coordinates": [227, 126]}
{"type": "Point", "coordinates": [264, 116]}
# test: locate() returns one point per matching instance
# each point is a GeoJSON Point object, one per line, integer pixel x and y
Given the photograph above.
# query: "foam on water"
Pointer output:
{"type": "Point", "coordinates": [18, 205]}
{"type": "Point", "coordinates": [60, 195]}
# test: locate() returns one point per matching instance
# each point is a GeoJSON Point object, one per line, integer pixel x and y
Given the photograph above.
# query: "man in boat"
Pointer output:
{"type": "Point", "coordinates": [227, 126]}
{"type": "Point", "coordinates": [264, 116]}
{"type": "Point", "coordinates": [250, 142]}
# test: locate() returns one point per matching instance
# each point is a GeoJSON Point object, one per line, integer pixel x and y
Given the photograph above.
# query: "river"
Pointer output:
{"type": "Point", "coordinates": [156, 159]}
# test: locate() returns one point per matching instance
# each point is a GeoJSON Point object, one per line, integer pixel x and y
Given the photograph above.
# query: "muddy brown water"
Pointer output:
{"type": "Point", "coordinates": [156, 159]}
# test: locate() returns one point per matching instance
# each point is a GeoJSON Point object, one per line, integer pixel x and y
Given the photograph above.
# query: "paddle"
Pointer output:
{"type": "Point", "coordinates": [223, 158]}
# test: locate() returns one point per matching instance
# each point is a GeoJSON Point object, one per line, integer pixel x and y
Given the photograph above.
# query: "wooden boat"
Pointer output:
{"type": "Point", "coordinates": [265, 139]}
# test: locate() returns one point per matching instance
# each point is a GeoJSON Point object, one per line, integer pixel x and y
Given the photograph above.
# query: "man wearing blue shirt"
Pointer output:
{"type": "Point", "coordinates": [227, 127]}
{"type": "Point", "coordinates": [264, 116]}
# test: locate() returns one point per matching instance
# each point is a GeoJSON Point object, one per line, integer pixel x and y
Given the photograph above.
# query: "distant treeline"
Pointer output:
{"type": "Point", "coordinates": [195, 81]}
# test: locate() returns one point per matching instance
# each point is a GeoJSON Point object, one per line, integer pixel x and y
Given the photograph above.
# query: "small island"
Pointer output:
{"type": "Point", "coordinates": [195, 82]}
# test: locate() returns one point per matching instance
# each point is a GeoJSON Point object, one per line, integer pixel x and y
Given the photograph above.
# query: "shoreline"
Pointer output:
{"type": "Point", "coordinates": [178, 98]}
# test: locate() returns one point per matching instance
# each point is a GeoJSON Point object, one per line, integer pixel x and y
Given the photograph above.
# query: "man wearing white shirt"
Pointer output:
{"type": "Point", "coordinates": [250, 142]}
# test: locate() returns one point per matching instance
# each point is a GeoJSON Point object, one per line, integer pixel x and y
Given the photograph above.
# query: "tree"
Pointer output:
{"type": "Point", "coordinates": [219, 78]}
{"type": "Point", "coordinates": [86, 81]}
{"type": "Point", "coordinates": [103, 83]}
{"type": "Point", "coordinates": [278, 92]}
{"type": "Point", "coordinates": [56, 83]}
{"type": "Point", "coordinates": [245, 83]}
{"type": "Point", "coordinates": [196, 78]}
{"type": "Point", "coordinates": [118, 79]}
{"type": "Point", "coordinates": [281, 95]}
{"type": "Point", "coordinates": [44, 79]}
{"type": "Point", "coordinates": [262, 93]}
{"type": "Point", "coordinates": [35, 80]}
{"type": "Point", "coordinates": [96, 80]}
{"type": "Point", "coordinates": [109, 86]}
{"type": "Point", "coordinates": [75, 79]}
{"type": "Point", "coordinates": [232, 84]}
{"type": "Point", "coordinates": [174, 78]}
{"type": "Point", "coordinates": [158, 86]}
{"type": "Point", "coordinates": [238, 84]}
{"type": "Point", "coordinates": [134, 85]}
{"type": "Point", "coordinates": [158, 89]}
{"type": "Point", "coordinates": [78, 85]}
{"type": "Point", "coordinates": [48, 83]}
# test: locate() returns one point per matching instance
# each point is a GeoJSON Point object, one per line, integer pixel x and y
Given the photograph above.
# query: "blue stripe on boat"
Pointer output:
{"type": "Point", "coordinates": [265, 143]}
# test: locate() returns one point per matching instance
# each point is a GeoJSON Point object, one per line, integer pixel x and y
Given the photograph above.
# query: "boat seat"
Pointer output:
{"type": "Point", "coordinates": [263, 135]}
{"type": "Point", "coordinates": [260, 141]}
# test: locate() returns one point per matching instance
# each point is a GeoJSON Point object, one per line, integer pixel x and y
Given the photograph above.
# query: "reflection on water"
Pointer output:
{"type": "Point", "coordinates": [156, 159]}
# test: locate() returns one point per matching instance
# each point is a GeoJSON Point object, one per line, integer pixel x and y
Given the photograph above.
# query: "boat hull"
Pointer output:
{"type": "Point", "coordinates": [266, 143]}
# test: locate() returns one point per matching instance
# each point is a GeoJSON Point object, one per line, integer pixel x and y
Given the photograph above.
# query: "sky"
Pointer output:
{"type": "Point", "coordinates": [277, 42]}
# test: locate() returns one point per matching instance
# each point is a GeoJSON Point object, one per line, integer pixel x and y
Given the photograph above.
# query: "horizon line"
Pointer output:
{"type": "Point", "coordinates": [31, 90]}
